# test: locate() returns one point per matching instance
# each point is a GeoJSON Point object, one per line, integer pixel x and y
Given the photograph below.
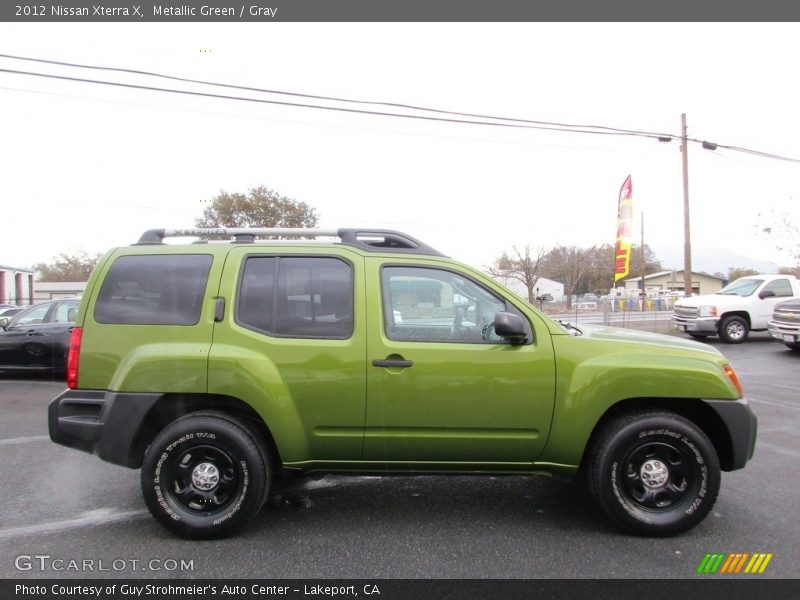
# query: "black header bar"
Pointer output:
{"type": "Point", "coordinates": [231, 11]}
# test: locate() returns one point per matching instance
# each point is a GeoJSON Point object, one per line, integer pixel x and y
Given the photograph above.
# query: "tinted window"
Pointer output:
{"type": "Point", "coordinates": [162, 289]}
{"type": "Point", "coordinates": [65, 312]}
{"type": "Point", "coordinates": [430, 305]}
{"type": "Point", "coordinates": [781, 287]}
{"type": "Point", "coordinates": [33, 315]}
{"type": "Point", "coordinates": [297, 296]}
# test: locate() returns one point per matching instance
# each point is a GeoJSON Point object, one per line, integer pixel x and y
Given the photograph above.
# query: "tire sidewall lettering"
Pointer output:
{"type": "Point", "coordinates": [700, 473]}
{"type": "Point", "coordinates": [177, 445]}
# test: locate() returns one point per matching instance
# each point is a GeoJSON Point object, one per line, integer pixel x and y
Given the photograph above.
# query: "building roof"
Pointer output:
{"type": "Point", "coordinates": [662, 273]}
{"type": "Point", "coordinates": [17, 269]}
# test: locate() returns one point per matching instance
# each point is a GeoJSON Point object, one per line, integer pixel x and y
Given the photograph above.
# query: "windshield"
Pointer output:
{"type": "Point", "coordinates": [741, 287]}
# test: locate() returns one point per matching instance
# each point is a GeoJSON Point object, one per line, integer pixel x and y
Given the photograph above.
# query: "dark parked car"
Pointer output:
{"type": "Point", "coordinates": [38, 337]}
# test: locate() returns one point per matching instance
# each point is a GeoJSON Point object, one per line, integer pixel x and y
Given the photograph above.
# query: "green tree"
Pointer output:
{"type": "Point", "coordinates": [259, 207]}
{"type": "Point", "coordinates": [600, 270]}
{"type": "Point", "coordinates": [67, 267]}
{"type": "Point", "coordinates": [569, 265]}
{"type": "Point", "coordinates": [735, 273]}
{"type": "Point", "coordinates": [786, 235]}
{"type": "Point", "coordinates": [522, 266]}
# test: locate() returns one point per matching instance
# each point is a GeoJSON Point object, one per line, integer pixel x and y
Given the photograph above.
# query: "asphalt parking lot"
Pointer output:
{"type": "Point", "coordinates": [70, 507]}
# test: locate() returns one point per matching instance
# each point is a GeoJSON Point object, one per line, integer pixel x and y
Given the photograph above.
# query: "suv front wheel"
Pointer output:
{"type": "Point", "coordinates": [205, 476]}
{"type": "Point", "coordinates": [654, 473]}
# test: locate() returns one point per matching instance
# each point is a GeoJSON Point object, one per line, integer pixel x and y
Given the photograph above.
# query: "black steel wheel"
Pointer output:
{"type": "Point", "coordinates": [204, 476]}
{"type": "Point", "coordinates": [654, 473]}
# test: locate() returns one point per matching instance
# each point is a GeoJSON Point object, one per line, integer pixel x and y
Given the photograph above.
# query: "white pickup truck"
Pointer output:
{"type": "Point", "coordinates": [740, 307]}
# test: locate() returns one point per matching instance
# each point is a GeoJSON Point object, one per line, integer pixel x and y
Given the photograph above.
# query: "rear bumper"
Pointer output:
{"type": "Point", "coordinates": [742, 426]}
{"type": "Point", "coordinates": [100, 422]}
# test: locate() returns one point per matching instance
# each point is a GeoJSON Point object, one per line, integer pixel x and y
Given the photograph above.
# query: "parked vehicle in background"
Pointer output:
{"type": "Point", "coordinates": [742, 306]}
{"type": "Point", "coordinates": [6, 312]}
{"type": "Point", "coordinates": [785, 323]}
{"type": "Point", "coordinates": [37, 339]}
{"type": "Point", "coordinates": [215, 366]}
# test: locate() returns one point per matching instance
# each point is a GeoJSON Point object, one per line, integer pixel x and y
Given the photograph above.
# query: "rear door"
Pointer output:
{"type": "Point", "coordinates": [292, 345]}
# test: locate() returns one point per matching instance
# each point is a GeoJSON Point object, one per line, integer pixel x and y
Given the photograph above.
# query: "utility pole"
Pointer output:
{"type": "Point", "coordinates": [644, 264]}
{"type": "Point", "coordinates": [687, 243]}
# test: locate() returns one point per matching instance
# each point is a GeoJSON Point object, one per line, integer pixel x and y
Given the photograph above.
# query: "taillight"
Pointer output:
{"type": "Point", "coordinates": [734, 379]}
{"type": "Point", "coordinates": [73, 357]}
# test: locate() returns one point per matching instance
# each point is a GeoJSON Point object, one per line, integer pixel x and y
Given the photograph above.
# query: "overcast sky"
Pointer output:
{"type": "Point", "coordinates": [91, 167]}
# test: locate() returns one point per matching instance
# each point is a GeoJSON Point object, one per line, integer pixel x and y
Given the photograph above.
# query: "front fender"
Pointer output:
{"type": "Point", "coordinates": [595, 376]}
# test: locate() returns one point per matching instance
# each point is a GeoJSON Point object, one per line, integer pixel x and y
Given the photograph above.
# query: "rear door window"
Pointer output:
{"type": "Point", "coordinates": [297, 296]}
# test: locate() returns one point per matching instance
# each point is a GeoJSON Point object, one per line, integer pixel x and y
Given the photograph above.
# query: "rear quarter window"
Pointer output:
{"type": "Point", "coordinates": [157, 289]}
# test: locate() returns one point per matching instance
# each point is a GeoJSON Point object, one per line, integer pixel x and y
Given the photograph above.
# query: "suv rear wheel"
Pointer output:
{"type": "Point", "coordinates": [654, 473]}
{"type": "Point", "coordinates": [205, 476]}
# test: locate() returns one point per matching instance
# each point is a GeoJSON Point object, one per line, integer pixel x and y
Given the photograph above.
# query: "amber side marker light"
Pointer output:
{"type": "Point", "coordinates": [734, 379]}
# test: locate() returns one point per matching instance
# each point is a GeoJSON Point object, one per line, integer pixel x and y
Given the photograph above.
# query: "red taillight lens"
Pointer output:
{"type": "Point", "coordinates": [73, 357]}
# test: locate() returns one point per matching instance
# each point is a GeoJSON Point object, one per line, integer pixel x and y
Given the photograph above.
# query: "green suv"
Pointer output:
{"type": "Point", "coordinates": [216, 366]}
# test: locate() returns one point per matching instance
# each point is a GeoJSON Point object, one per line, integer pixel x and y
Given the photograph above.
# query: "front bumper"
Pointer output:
{"type": "Point", "coordinates": [785, 333]}
{"type": "Point", "coordinates": [742, 425]}
{"type": "Point", "coordinates": [707, 325]}
{"type": "Point", "coordinates": [101, 422]}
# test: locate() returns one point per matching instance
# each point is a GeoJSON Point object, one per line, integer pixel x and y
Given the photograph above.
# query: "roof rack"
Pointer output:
{"type": "Point", "coordinates": [373, 240]}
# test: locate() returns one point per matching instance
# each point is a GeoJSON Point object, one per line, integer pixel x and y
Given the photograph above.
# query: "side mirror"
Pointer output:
{"type": "Point", "coordinates": [4, 321]}
{"type": "Point", "coordinates": [511, 327]}
{"type": "Point", "coordinates": [766, 294]}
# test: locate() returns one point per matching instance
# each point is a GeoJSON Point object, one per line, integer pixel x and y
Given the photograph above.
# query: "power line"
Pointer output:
{"type": "Point", "coordinates": [469, 118]}
{"type": "Point", "coordinates": [328, 98]}
{"type": "Point", "coordinates": [317, 106]}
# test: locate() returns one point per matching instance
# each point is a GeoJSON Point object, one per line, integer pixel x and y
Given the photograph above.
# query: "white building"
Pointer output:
{"type": "Point", "coordinates": [544, 286]}
{"type": "Point", "coordinates": [50, 290]}
{"type": "Point", "coordinates": [16, 286]}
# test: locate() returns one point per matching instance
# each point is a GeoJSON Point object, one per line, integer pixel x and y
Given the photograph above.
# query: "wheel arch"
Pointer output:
{"type": "Point", "coordinates": [692, 409]}
{"type": "Point", "coordinates": [173, 406]}
{"type": "Point", "coordinates": [737, 313]}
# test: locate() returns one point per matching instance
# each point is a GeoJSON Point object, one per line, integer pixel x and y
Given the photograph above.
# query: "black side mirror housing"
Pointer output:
{"type": "Point", "coordinates": [511, 327]}
{"type": "Point", "coordinates": [766, 294]}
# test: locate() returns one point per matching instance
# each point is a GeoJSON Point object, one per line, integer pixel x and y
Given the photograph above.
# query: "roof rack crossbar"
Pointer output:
{"type": "Point", "coordinates": [374, 240]}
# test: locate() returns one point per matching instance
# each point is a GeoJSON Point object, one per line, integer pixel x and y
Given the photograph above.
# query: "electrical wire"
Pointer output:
{"type": "Point", "coordinates": [327, 98]}
{"type": "Point", "coordinates": [318, 106]}
{"type": "Point", "coordinates": [469, 118]}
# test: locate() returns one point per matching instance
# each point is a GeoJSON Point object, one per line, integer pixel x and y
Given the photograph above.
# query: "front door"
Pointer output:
{"type": "Point", "coordinates": [443, 390]}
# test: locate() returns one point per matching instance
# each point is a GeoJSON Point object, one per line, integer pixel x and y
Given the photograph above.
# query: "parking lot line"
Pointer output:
{"type": "Point", "coordinates": [24, 440]}
{"type": "Point", "coordinates": [778, 449]}
{"type": "Point", "coordinates": [93, 517]}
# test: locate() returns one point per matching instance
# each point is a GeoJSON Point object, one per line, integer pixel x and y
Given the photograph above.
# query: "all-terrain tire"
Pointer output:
{"type": "Point", "coordinates": [205, 476]}
{"type": "Point", "coordinates": [654, 473]}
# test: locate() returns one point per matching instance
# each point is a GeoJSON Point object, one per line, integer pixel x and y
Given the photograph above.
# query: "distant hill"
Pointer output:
{"type": "Point", "coordinates": [711, 260]}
